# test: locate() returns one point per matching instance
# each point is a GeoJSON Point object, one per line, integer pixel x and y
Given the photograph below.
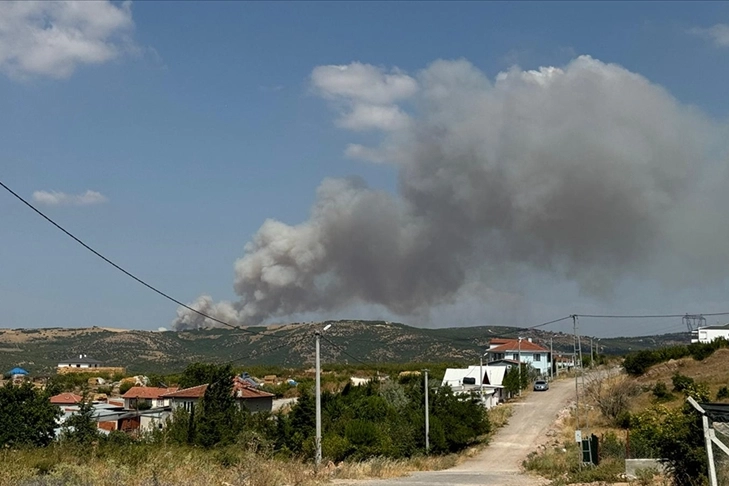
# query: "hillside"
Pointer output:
{"type": "Point", "coordinates": [292, 345]}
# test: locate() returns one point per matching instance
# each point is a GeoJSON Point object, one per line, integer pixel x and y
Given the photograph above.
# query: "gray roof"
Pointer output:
{"type": "Point", "coordinates": [77, 360]}
{"type": "Point", "coordinates": [722, 327]}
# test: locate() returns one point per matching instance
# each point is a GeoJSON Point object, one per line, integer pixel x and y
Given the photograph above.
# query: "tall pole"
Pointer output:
{"type": "Point", "coordinates": [592, 355]}
{"type": "Point", "coordinates": [480, 370]}
{"type": "Point", "coordinates": [519, 366]}
{"type": "Point", "coordinates": [551, 358]}
{"type": "Point", "coordinates": [317, 457]}
{"type": "Point", "coordinates": [427, 414]}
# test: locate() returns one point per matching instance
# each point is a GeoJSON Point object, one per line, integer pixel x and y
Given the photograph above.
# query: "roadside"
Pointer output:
{"type": "Point", "coordinates": [500, 463]}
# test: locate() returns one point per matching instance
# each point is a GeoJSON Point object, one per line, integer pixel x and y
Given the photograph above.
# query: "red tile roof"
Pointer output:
{"type": "Point", "coordinates": [240, 390]}
{"type": "Point", "coordinates": [192, 392]}
{"type": "Point", "coordinates": [513, 345]}
{"type": "Point", "coordinates": [243, 390]}
{"type": "Point", "coordinates": [66, 399]}
{"type": "Point", "coordinates": [147, 392]}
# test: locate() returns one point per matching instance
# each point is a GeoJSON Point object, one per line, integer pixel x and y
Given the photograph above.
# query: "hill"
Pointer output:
{"type": "Point", "coordinates": [291, 345]}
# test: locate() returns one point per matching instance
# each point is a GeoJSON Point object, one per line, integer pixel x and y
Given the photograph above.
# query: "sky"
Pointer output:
{"type": "Point", "coordinates": [437, 164]}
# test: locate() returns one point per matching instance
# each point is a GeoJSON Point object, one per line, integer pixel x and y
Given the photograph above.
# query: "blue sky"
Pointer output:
{"type": "Point", "coordinates": [201, 121]}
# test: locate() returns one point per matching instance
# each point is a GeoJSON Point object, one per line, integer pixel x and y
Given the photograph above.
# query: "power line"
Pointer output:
{"type": "Point", "coordinates": [655, 316]}
{"type": "Point", "coordinates": [550, 322]}
{"type": "Point", "coordinates": [124, 271]}
{"type": "Point", "coordinates": [342, 350]}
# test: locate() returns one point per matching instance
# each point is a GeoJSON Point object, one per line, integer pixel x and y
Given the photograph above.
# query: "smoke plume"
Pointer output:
{"type": "Point", "coordinates": [588, 172]}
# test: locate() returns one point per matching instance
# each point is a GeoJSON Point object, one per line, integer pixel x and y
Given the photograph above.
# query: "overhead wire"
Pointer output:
{"type": "Point", "coordinates": [126, 272]}
{"type": "Point", "coordinates": [342, 350]}
{"type": "Point", "coordinates": [264, 334]}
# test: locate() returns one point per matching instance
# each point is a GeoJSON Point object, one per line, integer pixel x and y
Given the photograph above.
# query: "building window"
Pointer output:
{"type": "Point", "coordinates": [516, 356]}
{"type": "Point", "coordinates": [537, 357]}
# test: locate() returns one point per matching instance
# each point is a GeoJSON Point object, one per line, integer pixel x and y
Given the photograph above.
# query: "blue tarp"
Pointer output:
{"type": "Point", "coordinates": [18, 371]}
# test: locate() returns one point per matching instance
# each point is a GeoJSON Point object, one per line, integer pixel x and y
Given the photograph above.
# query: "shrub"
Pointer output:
{"type": "Point", "coordinates": [125, 387]}
{"type": "Point", "coordinates": [722, 393]}
{"type": "Point", "coordinates": [612, 393]}
{"type": "Point", "coordinates": [681, 382]}
{"type": "Point", "coordinates": [611, 446]}
{"type": "Point", "coordinates": [661, 393]}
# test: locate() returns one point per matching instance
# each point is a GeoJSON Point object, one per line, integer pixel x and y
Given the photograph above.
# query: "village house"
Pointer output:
{"type": "Point", "coordinates": [66, 399]}
{"type": "Point", "coordinates": [707, 334]}
{"type": "Point", "coordinates": [81, 361]}
{"type": "Point", "coordinates": [245, 395]}
{"type": "Point", "coordinates": [487, 381]}
{"type": "Point", "coordinates": [523, 350]}
{"type": "Point", "coordinates": [146, 397]}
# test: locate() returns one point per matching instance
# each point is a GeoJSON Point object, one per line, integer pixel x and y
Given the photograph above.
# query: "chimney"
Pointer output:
{"type": "Point", "coordinates": [529, 339]}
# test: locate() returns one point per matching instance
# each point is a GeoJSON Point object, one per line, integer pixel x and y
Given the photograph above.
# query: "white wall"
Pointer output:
{"type": "Point", "coordinates": [708, 335]}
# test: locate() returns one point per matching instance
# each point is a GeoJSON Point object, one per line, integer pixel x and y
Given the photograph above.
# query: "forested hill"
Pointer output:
{"type": "Point", "coordinates": [289, 345]}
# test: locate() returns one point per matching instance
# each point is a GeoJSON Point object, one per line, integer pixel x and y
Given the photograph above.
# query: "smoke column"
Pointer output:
{"type": "Point", "coordinates": [588, 172]}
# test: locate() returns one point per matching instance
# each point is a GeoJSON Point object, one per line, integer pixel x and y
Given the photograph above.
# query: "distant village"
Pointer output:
{"type": "Point", "coordinates": [131, 405]}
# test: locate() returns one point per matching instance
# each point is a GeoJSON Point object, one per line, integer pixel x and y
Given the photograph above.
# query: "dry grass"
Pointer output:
{"type": "Point", "coordinates": [499, 415]}
{"type": "Point", "coordinates": [152, 466]}
{"type": "Point", "coordinates": [379, 467]}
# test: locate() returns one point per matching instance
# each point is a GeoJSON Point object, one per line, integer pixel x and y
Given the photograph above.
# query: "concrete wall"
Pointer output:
{"type": "Point", "coordinates": [632, 466]}
{"type": "Point", "coordinates": [100, 369]}
{"type": "Point", "coordinates": [263, 404]}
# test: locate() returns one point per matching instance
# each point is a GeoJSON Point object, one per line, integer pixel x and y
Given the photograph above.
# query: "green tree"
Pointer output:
{"type": "Point", "coordinates": [27, 417]}
{"type": "Point", "coordinates": [125, 387]}
{"type": "Point", "coordinates": [220, 419]}
{"type": "Point", "coordinates": [81, 428]}
{"type": "Point", "coordinates": [199, 374]}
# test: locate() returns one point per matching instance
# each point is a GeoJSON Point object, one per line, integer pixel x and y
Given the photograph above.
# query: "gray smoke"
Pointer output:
{"type": "Point", "coordinates": [589, 172]}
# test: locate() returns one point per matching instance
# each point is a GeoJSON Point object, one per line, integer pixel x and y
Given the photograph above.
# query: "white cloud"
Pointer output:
{"type": "Point", "coordinates": [57, 198]}
{"type": "Point", "coordinates": [53, 38]}
{"type": "Point", "coordinates": [367, 117]}
{"type": "Point", "coordinates": [363, 83]}
{"type": "Point", "coordinates": [718, 34]}
{"type": "Point", "coordinates": [367, 95]}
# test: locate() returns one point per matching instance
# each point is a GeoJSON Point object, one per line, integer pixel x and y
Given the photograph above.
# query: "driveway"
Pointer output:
{"type": "Point", "coordinates": [499, 464]}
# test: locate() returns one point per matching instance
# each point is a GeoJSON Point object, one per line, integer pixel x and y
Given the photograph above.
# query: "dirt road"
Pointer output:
{"type": "Point", "coordinates": [500, 463]}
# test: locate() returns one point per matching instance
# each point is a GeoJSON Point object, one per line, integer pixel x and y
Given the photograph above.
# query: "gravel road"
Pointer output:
{"type": "Point", "coordinates": [499, 464]}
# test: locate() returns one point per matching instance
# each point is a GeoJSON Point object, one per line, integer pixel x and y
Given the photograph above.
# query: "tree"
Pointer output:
{"type": "Point", "coordinates": [612, 392]}
{"type": "Point", "coordinates": [219, 418]}
{"type": "Point", "coordinates": [27, 417]}
{"type": "Point", "coordinates": [81, 428]}
{"type": "Point", "coordinates": [199, 374]}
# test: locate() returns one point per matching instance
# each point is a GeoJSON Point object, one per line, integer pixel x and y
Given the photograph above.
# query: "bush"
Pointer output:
{"type": "Point", "coordinates": [661, 393]}
{"type": "Point", "coordinates": [681, 382]}
{"type": "Point", "coordinates": [125, 387]}
{"type": "Point", "coordinates": [722, 393]}
{"type": "Point", "coordinates": [611, 446]}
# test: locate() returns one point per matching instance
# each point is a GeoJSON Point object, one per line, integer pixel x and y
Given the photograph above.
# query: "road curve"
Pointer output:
{"type": "Point", "coordinates": [499, 464]}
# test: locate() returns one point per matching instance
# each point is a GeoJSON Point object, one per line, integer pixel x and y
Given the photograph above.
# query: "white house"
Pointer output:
{"type": "Point", "coordinates": [707, 334]}
{"type": "Point", "coordinates": [523, 350]}
{"type": "Point", "coordinates": [82, 361]}
{"type": "Point", "coordinates": [471, 379]}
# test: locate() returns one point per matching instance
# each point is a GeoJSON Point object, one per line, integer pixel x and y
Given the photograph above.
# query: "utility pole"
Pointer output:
{"type": "Point", "coordinates": [427, 413]}
{"type": "Point", "coordinates": [551, 358]}
{"type": "Point", "coordinates": [480, 370]}
{"type": "Point", "coordinates": [317, 440]}
{"type": "Point", "coordinates": [592, 356]}
{"type": "Point", "coordinates": [519, 345]}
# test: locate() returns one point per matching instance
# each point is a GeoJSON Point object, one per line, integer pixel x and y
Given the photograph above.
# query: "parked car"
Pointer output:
{"type": "Point", "coordinates": [541, 385]}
